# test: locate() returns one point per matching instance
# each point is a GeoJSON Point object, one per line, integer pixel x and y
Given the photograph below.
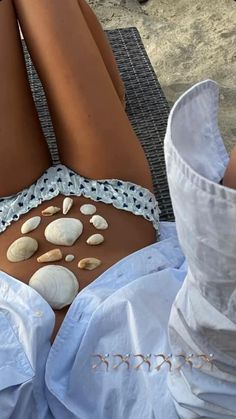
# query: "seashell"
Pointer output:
{"type": "Point", "coordinates": [63, 231]}
{"type": "Point", "coordinates": [50, 256]}
{"type": "Point", "coordinates": [22, 249]}
{"type": "Point", "coordinates": [56, 284]}
{"type": "Point", "coordinates": [99, 222]}
{"type": "Point", "coordinates": [67, 204]}
{"type": "Point", "coordinates": [89, 263]}
{"type": "Point", "coordinates": [95, 239]}
{"type": "Point", "coordinates": [88, 209]}
{"type": "Point", "coordinates": [69, 258]}
{"type": "Point", "coordinates": [30, 225]}
{"type": "Point", "coordinates": [50, 211]}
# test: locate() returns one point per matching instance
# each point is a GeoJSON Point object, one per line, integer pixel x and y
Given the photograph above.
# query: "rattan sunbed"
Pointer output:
{"type": "Point", "coordinates": [146, 107]}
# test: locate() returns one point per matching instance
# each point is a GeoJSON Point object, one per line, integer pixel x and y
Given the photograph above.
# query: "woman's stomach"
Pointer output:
{"type": "Point", "coordinates": [125, 234]}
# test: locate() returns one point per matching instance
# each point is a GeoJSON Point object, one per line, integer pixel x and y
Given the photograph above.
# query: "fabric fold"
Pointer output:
{"type": "Point", "coordinates": [203, 316]}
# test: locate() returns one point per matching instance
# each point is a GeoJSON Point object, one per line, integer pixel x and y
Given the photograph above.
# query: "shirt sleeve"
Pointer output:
{"type": "Point", "coordinates": [202, 325]}
{"type": "Point", "coordinates": [26, 323]}
{"type": "Point", "coordinates": [15, 370]}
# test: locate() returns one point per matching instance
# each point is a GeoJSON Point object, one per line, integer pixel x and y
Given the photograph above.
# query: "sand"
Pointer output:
{"type": "Point", "coordinates": [187, 41]}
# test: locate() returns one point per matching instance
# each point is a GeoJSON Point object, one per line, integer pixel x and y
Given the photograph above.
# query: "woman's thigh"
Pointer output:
{"type": "Point", "coordinates": [23, 149]}
{"type": "Point", "coordinates": [104, 47]}
{"type": "Point", "coordinates": [94, 135]}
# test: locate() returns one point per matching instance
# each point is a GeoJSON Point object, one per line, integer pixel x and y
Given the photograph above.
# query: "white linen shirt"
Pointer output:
{"type": "Point", "coordinates": [127, 309]}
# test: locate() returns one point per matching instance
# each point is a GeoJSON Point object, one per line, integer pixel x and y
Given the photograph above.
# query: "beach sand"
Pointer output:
{"type": "Point", "coordinates": [187, 42]}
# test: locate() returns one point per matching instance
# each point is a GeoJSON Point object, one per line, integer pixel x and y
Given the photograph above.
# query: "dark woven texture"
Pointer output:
{"type": "Point", "coordinates": [146, 107]}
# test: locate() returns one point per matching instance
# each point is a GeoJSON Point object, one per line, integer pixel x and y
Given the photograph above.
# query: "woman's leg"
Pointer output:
{"type": "Point", "coordinates": [230, 173]}
{"type": "Point", "coordinates": [23, 149]}
{"type": "Point", "coordinates": [104, 48]}
{"type": "Point", "coordinates": [94, 134]}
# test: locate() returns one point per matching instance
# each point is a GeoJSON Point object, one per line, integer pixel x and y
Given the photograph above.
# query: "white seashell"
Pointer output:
{"type": "Point", "coordinates": [50, 256]}
{"type": "Point", "coordinates": [56, 284]}
{"type": "Point", "coordinates": [63, 231]}
{"type": "Point", "coordinates": [89, 263]}
{"type": "Point", "coordinates": [67, 204]}
{"type": "Point", "coordinates": [30, 225]}
{"type": "Point", "coordinates": [99, 222]}
{"type": "Point", "coordinates": [69, 258]}
{"type": "Point", "coordinates": [22, 249]}
{"type": "Point", "coordinates": [88, 209]}
{"type": "Point", "coordinates": [49, 211]}
{"type": "Point", "coordinates": [95, 239]}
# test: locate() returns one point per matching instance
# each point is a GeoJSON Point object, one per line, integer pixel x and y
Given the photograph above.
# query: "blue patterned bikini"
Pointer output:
{"type": "Point", "coordinates": [59, 179]}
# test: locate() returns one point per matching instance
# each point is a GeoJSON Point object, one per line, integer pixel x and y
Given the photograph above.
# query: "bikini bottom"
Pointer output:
{"type": "Point", "coordinates": [59, 179]}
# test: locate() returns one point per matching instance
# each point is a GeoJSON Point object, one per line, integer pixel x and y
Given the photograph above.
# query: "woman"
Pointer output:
{"type": "Point", "coordinates": [73, 370]}
{"type": "Point", "coordinates": [93, 133]}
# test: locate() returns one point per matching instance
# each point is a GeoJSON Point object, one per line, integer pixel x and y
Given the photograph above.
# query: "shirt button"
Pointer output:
{"type": "Point", "coordinates": [38, 313]}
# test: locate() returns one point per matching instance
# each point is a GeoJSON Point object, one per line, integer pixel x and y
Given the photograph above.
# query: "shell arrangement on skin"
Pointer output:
{"type": "Point", "coordinates": [89, 263]}
{"type": "Point", "coordinates": [50, 256]}
{"type": "Point", "coordinates": [99, 222]}
{"type": "Point", "coordinates": [22, 249]}
{"type": "Point", "coordinates": [88, 209]}
{"type": "Point", "coordinates": [56, 284]}
{"type": "Point", "coordinates": [67, 204]}
{"type": "Point", "coordinates": [48, 212]}
{"type": "Point", "coordinates": [64, 231]}
{"type": "Point", "coordinates": [30, 225]}
{"type": "Point", "coordinates": [95, 239]}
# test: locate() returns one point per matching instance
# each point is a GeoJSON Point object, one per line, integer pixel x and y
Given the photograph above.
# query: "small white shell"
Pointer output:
{"type": "Point", "coordinates": [49, 211]}
{"type": "Point", "coordinates": [89, 263]}
{"type": "Point", "coordinates": [88, 209]}
{"type": "Point", "coordinates": [63, 231]}
{"type": "Point", "coordinates": [22, 249]}
{"type": "Point", "coordinates": [69, 258]}
{"type": "Point", "coordinates": [50, 256]}
{"type": "Point", "coordinates": [67, 204]}
{"type": "Point", "coordinates": [30, 225]}
{"type": "Point", "coordinates": [99, 222]}
{"type": "Point", "coordinates": [95, 239]}
{"type": "Point", "coordinates": [56, 284]}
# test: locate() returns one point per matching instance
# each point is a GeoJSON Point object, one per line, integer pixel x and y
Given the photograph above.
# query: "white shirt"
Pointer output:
{"type": "Point", "coordinates": [127, 309]}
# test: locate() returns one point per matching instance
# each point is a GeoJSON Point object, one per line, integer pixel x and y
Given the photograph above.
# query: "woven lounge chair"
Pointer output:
{"type": "Point", "coordinates": [146, 107]}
